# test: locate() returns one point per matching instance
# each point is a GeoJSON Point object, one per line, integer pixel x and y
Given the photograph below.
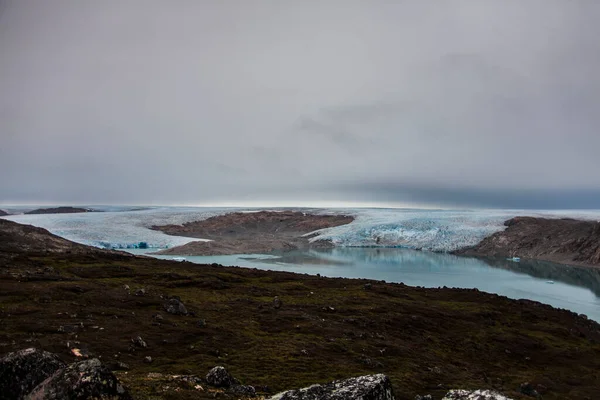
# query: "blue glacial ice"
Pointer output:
{"type": "Point", "coordinates": [434, 230]}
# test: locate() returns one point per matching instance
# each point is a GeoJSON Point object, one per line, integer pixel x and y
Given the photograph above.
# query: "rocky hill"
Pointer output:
{"type": "Point", "coordinates": [253, 232]}
{"type": "Point", "coordinates": [566, 241]}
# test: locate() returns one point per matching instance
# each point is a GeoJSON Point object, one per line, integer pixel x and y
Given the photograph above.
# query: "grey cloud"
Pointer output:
{"type": "Point", "coordinates": [201, 102]}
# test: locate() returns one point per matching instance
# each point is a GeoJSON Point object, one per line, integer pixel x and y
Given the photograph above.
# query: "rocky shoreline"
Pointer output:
{"type": "Point", "coordinates": [563, 241]}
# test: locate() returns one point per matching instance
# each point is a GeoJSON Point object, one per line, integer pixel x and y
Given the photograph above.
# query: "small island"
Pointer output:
{"type": "Point", "coordinates": [252, 232]}
{"type": "Point", "coordinates": [60, 210]}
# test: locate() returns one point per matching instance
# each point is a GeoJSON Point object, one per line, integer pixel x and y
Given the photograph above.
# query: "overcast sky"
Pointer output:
{"type": "Point", "coordinates": [444, 103]}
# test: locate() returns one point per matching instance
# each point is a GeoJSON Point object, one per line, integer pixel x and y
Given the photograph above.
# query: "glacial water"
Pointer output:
{"type": "Point", "coordinates": [380, 244]}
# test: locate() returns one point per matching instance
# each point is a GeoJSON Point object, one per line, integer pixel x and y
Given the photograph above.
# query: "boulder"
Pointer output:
{"type": "Point", "coordinates": [243, 390]}
{"type": "Point", "coordinates": [474, 395]}
{"type": "Point", "coordinates": [175, 306]}
{"type": "Point", "coordinates": [23, 370]}
{"type": "Point", "coordinates": [82, 380]}
{"type": "Point", "coordinates": [220, 377]}
{"type": "Point", "coordinates": [368, 387]}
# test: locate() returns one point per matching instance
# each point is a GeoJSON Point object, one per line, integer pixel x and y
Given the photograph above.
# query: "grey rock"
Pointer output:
{"type": "Point", "coordinates": [243, 390]}
{"type": "Point", "coordinates": [175, 306]}
{"type": "Point", "coordinates": [474, 395]}
{"type": "Point", "coordinates": [368, 387]}
{"type": "Point", "coordinates": [220, 377]}
{"type": "Point", "coordinates": [83, 380]}
{"type": "Point", "coordinates": [148, 360]}
{"type": "Point", "coordinates": [23, 370]}
{"type": "Point", "coordinates": [426, 397]}
{"type": "Point", "coordinates": [277, 303]}
{"type": "Point", "coordinates": [139, 342]}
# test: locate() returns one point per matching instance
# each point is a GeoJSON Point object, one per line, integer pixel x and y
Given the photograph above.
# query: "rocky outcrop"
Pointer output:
{"type": "Point", "coordinates": [566, 241]}
{"type": "Point", "coordinates": [474, 395]}
{"type": "Point", "coordinates": [83, 380]}
{"type": "Point", "coordinates": [368, 387]}
{"type": "Point", "coordinates": [59, 210]}
{"type": "Point", "coordinates": [256, 232]}
{"type": "Point", "coordinates": [3, 213]}
{"type": "Point", "coordinates": [23, 370]}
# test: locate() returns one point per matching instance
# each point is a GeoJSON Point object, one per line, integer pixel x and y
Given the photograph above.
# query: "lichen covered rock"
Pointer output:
{"type": "Point", "coordinates": [82, 380]}
{"type": "Point", "coordinates": [23, 370]}
{"type": "Point", "coordinates": [474, 395]}
{"type": "Point", "coordinates": [220, 377]}
{"type": "Point", "coordinates": [368, 387]}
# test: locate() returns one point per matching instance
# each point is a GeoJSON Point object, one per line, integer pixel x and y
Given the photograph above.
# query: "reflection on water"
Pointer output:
{"type": "Point", "coordinates": [573, 288]}
{"type": "Point", "coordinates": [572, 275]}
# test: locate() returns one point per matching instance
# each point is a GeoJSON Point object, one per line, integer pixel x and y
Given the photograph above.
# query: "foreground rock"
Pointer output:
{"type": "Point", "coordinates": [256, 232]}
{"type": "Point", "coordinates": [368, 387]}
{"type": "Point", "coordinates": [60, 210]}
{"type": "Point", "coordinates": [566, 241]}
{"type": "Point", "coordinates": [474, 395]}
{"type": "Point", "coordinates": [23, 370]}
{"type": "Point", "coordinates": [83, 380]}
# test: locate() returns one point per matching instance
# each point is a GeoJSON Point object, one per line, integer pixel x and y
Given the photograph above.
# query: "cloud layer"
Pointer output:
{"type": "Point", "coordinates": [475, 103]}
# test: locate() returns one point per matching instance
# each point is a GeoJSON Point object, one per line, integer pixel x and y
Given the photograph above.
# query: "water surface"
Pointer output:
{"type": "Point", "coordinates": [568, 287]}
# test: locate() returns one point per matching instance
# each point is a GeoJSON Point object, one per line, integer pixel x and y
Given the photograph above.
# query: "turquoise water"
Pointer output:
{"type": "Point", "coordinates": [573, 288]}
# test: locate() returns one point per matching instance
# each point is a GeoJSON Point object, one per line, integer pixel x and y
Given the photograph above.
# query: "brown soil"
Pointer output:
{"type": "Point", "coordinates": [565, 241]}
{"type": "Point", "coordinates": [320, 329]}
{"type": "Point", "coordinates": [256, 232]}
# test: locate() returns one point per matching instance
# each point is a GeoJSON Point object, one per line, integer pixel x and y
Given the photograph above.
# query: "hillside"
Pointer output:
{"type": "Point", "coordinates": [566, 241]}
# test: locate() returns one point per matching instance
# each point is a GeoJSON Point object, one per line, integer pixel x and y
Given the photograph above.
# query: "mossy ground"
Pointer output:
{"type": "Point", "coordinates": [426, 340]}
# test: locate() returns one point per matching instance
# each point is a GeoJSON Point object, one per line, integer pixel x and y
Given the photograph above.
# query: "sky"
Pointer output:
{"type": "Point", "coordinates": [461, 103]}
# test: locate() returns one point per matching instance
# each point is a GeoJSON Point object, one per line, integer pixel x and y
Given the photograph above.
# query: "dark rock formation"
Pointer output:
{"type": "Point", "coordinates": [220, 377]}
{"type": "Point", "coordinates": [59, 210]}
{"type": "Point", "coordinates": [3, 213]}
{"type": "Point", "coordinates": [474, 395]}
{"type": "Point", "coordinates": [23, 370]}
{"type": "Point", "coordinates": [256, 232]}
{"type": "Point", "coordinates": [565, 241]}
{"type": "Point", "coordinates": [175, 306]}
{"type": "Point", "coordinates": [368, 387]}
{"type": "Point", "coordinates": [82, 380]}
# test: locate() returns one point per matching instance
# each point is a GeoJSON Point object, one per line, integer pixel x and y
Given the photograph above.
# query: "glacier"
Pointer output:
{"type": "Point", "coordinates": [433, 230]}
